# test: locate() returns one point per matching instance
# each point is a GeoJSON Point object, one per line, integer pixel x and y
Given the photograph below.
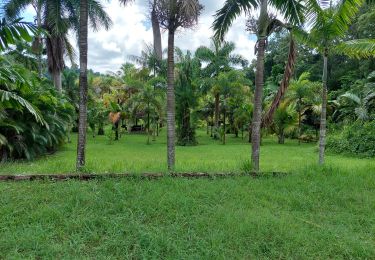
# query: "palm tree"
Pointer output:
{"type": "Point", "coordinates": [147, 99]}
{"type": "Point", "coordinates": [300, 94]}
{"type": "Point", "coordinates": [264, 26]}
{"type": "Point", "coordinates": [57, 18]}
{"type": "Point", "coordinates": [328, 24]}
{"type": "Point", "coordinates": [82, 123]}
{"type": "Point", "coordinates": [230, 85]}
{"type": "Point", "coordinates": [220, 59]}
{"type": "Point", "coordinates": [186, 97]}
{"type": "Point", "coordinates": [285, 119]}
{"type": "Point", "coordinates": [173, 14]}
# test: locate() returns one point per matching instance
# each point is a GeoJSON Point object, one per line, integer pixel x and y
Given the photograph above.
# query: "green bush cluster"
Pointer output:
{"type": "Point", "coordinates": [356, 139]}
{"type": "Point", "coordinates": [34, 118]}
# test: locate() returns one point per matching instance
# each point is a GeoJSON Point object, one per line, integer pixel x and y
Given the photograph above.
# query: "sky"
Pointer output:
{"type": "Point", "coordinates": [131, 30]}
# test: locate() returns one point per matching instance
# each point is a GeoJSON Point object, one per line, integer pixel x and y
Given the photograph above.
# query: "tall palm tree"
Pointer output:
{"type": "Point", "coordinates": [57, 18]}
{"type": "Point", "coordinates": [264, 26]}
{"type": "Point", "coordinates": [174, 14]}
{"type": "Point", "coordinates": [328, 23]}
{"type": "Point", "coordinates": [220, 58]}
{"type": "Point", "coordinates": [82, 122]}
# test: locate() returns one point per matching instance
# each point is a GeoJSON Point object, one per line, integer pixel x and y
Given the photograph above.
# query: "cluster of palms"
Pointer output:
{"type": "Point", "coordinates": [326, 23]}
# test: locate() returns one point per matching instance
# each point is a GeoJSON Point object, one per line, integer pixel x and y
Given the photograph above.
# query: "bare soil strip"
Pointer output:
{"type": "Point", "coordinates": [87, 177]}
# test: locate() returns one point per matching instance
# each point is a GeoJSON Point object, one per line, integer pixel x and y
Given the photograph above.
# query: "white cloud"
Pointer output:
{"type": "Point", "coordinates": [131, 30]}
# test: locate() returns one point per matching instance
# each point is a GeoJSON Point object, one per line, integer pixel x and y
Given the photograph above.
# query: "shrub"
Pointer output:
{"type": "Point", "coordinates": [356, 139]}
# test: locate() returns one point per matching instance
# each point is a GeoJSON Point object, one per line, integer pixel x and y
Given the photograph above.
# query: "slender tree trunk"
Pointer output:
{"type": "Point", "coordinates": [148, 123]}
{"type": "Point", "coordinates": [56, 75]}
{"type": "Point", "coordinates": [116, 125]}
{"type": "Point", "coordinates": [171, 127]}
{"type": "Point", "coordinates": [281, 137]}
{"type": "Point", "coordinates": [39, 39]}
{"type": "Point", "coordinates": [83, 48]}
{"type": "Point", "coordinates": [257, 114]}
{"type": "Point", "coordinates": [323, 118]}
{"type": "Point", "coordinates": [299, 123]}
{"type": "Point", "coordinates": [217, 115]}
{"type": "Point", "coordinates": [224, 134]}
{"type": "Point", "coordinates": [156, 33]}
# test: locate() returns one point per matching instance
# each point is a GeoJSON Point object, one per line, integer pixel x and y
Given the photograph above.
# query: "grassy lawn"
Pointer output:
{"type": "Point", "coordinates": [327, 214]}
{"type": "Point", "coordinates": [313, 212]}
{"type": "Point", "coordinates": [132, 155]}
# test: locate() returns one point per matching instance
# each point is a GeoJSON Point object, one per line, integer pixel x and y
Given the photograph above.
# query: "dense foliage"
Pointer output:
{"type": "Point", "coordinates": [34, 118]}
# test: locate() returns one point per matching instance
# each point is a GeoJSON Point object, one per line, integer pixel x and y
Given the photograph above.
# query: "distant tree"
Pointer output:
{"type": "Point", "coordinates": [187, 98]}
{"type": "Point", "coordinates": [220, 58]}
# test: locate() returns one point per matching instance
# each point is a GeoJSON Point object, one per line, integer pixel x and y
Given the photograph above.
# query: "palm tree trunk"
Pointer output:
{"type": "Point", "coordinates": [157, 35]}
{"type": "Point", "coordinates": [217, 114]}
{"type": "Point", "coordinates": [299, 121]}
{"type": "Point", "coordinates": [323, 118]}
{"type": "Point", "coordinates": [148, 123]}
{"type": "Point", "coordinates": [225, 115]}
{"type": "Point", "coordinates": [39, 39]}
{"type": "Point", "coordinates": [171, 131]}
{"type": "Point", "coordinates": [259, 83]}
{"type": "Point", "coordinates": [56, 75]}
{"type": "Point", "coordinates": [288, 73]}
{"type": "Point", "coordinates": [83, 32]}
{"type": "Point", "coordinates": [257, 114]}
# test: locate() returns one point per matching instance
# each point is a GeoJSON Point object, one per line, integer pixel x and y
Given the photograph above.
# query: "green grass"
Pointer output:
{"type": "Point", "coordinates": [132, 155]}
{"type": "Point", "coordinates": [311, 213]}
{"type": "Point", "coordinates": [323, 213]}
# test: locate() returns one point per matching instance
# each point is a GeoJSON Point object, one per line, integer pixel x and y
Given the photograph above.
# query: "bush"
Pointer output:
{"type": "Point", "coordinates": [34, 118]}
{"type": "Point", "coordinates": [356, 139]}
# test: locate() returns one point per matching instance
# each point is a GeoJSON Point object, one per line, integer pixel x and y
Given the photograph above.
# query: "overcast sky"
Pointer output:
{"type": "Point", "coordinates": [131, 30]}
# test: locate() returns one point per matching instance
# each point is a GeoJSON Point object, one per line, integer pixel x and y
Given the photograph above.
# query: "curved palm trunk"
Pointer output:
{"type": "Point", "coordinates": [288, 73]}
{"type": "Point", "coordinates": [171, 131]}
{"type": "Point", "coordinates": [323, 118]}
{"type": "Point", "coordinates": [81, 145]}
{"type": "Point", "coordinates": [257, 114]}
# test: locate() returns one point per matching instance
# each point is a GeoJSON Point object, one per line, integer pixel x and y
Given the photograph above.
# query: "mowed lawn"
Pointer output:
{"type": "Point", "coordinates": [131, 154]}
{"type": "Point", "coordinates": [316, 214]}
{"type": "Point", "coordinates": [310, 213]}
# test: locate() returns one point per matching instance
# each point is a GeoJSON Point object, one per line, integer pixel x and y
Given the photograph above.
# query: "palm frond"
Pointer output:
{"type": "Point", "coordinates": [228, 13]}
{"type": "Point", "coordinates": [8, 96]}
{"type": "Point", "coordinates": [15, 30]}
{"type": "Point", "coordinates": [362, 48]}
{"type": "Point", "coordinates": [293, 10]}
{"type": "Point", "coordinates": [343, 17]}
